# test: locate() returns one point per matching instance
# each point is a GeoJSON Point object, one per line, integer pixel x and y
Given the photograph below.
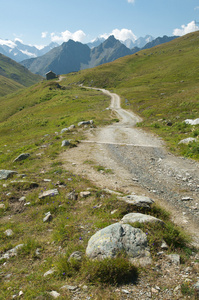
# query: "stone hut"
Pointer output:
{"type": "Point", "coordinates": [50, 75]}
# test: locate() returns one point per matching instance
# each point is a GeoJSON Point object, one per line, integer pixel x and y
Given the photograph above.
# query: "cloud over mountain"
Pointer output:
{"type": "Point", "coordinates": [77, 36]}
{"type": "Point", "coordinates": [122, 35]}
{"type": "Point", "coordinates": [190, 27]}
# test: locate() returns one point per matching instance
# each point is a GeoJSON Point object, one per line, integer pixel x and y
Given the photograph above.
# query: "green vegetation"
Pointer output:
{"type": "Point", "coordinates": [14, 76]}
{"type": "Point", "coordinates": [30, 122]}
{"type": "Point", "coordinates": [160, 84]}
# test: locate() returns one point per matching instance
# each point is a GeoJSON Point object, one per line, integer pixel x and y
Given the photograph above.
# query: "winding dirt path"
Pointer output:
{"type": "Point", "coordinates": [140, 164]}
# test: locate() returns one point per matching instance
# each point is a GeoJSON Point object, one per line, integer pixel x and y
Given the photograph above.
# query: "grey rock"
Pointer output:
{"type": "Point", "coordinates": [164, 245]}
{"type": "Point", "coordinates": [49, 193]}
{"type": "Point", "coordinates": [139, 201]}
{"type": "Point", "coordinates": [9, 232]}
{"type": "Point", "coordinates": [54, 294]}
{"type": "Point", "coordinates": [192, 122]}
{"type": "Point", "coordinates": [85, 194]}
{"type": "Point", "coordinates": [71, 127]}
{"type": "Point", "coordinates": [2, 206]}
{"type": "Point", "coordinates": [72, 196]}
{"type": "Point", "coordinates": [69, 287]}
{"type": "Point", "coordinates": [86, 123]}
{"type": "Point", "coordinates": [48, 217]}
{"type": "Point", "coordinates": [12, 252]}
{"type": "Point", "coordinates": [108, 242]}
{"type": "Point", "coordinates": [141, 218]}
{"type": "Point", "coordinates": [64, 130]}
{"type": "Point", "coordinates": [188, 140]}
{"type": "Point", "coordinates": [22, 156]}
{"type": "Point", "coordinates": [174, 258]}
{"type": "Point", "coordinates": [77, 255]}
{"type": "Point", "coordinates": [49, 272]}
{"type": "Point", "coordinates": [111, 192]}
{"type": "Point", "coordinates": [5, 174]}
{"type": "Point", "coordinates": [186, 198]}
{"type": "Point", "coordinates": [65, 143]}
{"type": "Point", "coordinates": [196, 285]}
{"type": "Point", "coordinates": [22, 199]}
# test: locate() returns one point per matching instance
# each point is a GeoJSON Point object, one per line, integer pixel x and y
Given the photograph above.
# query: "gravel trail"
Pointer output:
{"type": "Point", "coordinates": [141, 164]}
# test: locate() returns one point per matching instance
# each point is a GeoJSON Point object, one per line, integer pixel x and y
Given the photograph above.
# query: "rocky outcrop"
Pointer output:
{"type": "Point", "coordinates": [116, 238]}
{"type": "Point", "coordinates": [141, 218]}
{"type": "Point", "coordinates": [5, 174]}
{"type": "Point", "coordinates": [139, 201]}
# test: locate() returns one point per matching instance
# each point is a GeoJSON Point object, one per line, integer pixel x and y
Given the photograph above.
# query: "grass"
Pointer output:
{"type": "Point", "coordinates": [33, 119]}
{"type": "Point", "coordinates": [160, 85]}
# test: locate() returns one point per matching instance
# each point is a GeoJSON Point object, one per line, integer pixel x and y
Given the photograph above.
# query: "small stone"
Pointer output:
{"type": "Point", "coordinates": [174, 258]}
{"type": "Point", "coordinates": [48, 217]}
{"type": "Point", "coordinates": [154, 291]}
{"type": "Point", "coordinates": [77, 255]}
{"type": "Point", "coordinates": [22, 199]}
{"type": "Point", "coordinates": [9, 232]}
{"type": "Point", "coordinates": [164, 245]}
{"type": "Point", "coordinates": [186, 199]}
{"type": "Point", "coordinates": [49, 193]}
{"type": "Point", "coordinates": [22, 156]}
{"type": "Point", "coordinates": [114, 211]}
{"type": "Point", "coordinates": [5, 174]}
{"type": "Point", "coordinates": [69, 287]}
{"type": "Point", "coordinates": [2, 206]}
{"type": "Point", "coordinates": [72, 196]}
{"type": "Point", "coordinates": [54, 294]}
{"type": "Point", "coordinates": [20, 293]}
{"type": "Point", "coordinates": [125, 291]}
{"type": "Point", "coordinates": [85, 194]}
{"type": "Point", "coordinates": [49, 272]}
{"type": "Point", "coordinates": [65, 143]}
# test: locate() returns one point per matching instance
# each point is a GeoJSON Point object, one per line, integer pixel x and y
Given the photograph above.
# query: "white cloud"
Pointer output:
{"type": "Point", "coordinates": [196, 8]}
{"type": "Point", "coordinates": [77, 36]}
{"type": "Point", "coordinates": [131, 1]}
{"type": "Point", "coordinates": [44, 34]}
{"type": "Point", "coordinates": [122, 35]}
{"type": "Point", "coordinates": [190, 27]}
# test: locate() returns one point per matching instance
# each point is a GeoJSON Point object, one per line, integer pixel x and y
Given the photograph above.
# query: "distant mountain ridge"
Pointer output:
{"type": "Point", "coordinates": [74, 56]}
{"type": "Point", "coordinates": [18, 51]}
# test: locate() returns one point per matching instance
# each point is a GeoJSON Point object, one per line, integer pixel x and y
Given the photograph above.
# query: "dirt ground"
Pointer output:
{"type": "Point", "coordinates": [139, 163]}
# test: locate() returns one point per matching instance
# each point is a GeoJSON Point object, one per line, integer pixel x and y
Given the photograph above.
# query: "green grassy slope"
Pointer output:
{"type": "Point", "coordinates": [30, 122]}
{"type": "Point", "coordinates": [160, 84]}
{"type": "Point", "coordinates": [14, 76]}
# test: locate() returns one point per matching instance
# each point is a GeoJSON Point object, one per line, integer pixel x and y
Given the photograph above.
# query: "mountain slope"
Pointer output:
{"type": "Point", "coordinates": [14, 76]}
{"type": "Point", "coordinates": [108, 51]}
{"type": "Point", "coordinates": [64, 59]}
{"type": "Point", "coordinates": [74, 56]}
{"type": "Point", "coordinates": [160, 84]}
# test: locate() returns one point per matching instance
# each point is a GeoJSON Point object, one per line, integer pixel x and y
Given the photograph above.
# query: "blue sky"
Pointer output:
{"type": "Point", "coordinates": [38, 22]}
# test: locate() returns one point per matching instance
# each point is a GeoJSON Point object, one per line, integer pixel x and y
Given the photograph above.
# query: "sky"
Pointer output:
{"type": "Point", "coordinates": [40, 22]}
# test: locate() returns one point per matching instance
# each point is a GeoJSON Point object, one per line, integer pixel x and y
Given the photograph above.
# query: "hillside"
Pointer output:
{"type": "Point", "coordinates": [160, 84]}
{"type": "Point", "coordinates": [50, 209]}
{"type": "Point", "coordinates": [14, 76]}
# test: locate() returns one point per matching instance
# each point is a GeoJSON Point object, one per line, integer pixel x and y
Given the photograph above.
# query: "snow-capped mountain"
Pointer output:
{"type": "Point", "coordinates": [17, 51]}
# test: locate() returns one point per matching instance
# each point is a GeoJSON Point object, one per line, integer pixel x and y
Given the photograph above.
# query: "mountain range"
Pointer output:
{"type": "Point", "coordinates": [18, 51]}
{"type": "Point", "coordinates": [74, 56]}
